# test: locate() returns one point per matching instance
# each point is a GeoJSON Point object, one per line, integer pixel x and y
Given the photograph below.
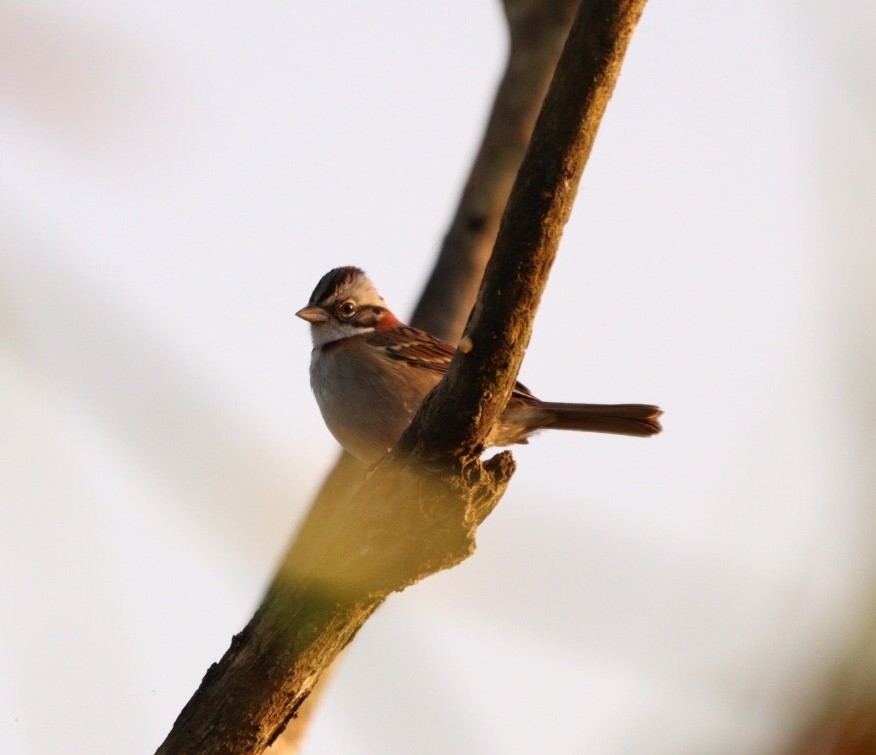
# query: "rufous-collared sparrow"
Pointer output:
{"type": "Point", "coordinates": [370, 372]}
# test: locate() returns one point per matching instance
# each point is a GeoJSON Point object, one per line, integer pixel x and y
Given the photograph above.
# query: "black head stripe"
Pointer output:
{"type": "Point", "coordinates": [334, 281]}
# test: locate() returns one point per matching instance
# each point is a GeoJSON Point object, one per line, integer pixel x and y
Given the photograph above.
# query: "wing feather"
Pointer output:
{"type": "Point", "coordinates": [420, 349]}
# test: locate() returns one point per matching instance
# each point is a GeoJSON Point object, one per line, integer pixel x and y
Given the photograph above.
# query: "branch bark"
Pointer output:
{"type": "Point", "coordinates": [419, 510]}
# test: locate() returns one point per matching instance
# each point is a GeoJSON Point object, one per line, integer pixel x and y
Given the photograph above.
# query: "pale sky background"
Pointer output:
{"type": "Point", "coordinates": [174, 179]}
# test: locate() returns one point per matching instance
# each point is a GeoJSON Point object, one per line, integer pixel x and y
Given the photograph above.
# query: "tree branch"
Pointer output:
{"type": "Point", "coordinates": [481, 376]}
{"type": "Point", "coordinates": [537, 30]}
{"type": "Point", "coordinates": [419, 510]}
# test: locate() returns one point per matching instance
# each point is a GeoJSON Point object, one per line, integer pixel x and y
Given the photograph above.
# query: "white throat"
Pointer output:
{"type": "Point", "coordinates": [332, 330]}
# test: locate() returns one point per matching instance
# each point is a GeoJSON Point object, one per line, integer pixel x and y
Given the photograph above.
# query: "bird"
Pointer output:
{"type": "Point", "coordinates": [370, 372]}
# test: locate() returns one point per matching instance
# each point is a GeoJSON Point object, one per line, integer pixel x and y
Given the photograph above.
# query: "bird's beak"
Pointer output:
{"type": "Point", "coordinates": [312, 314]}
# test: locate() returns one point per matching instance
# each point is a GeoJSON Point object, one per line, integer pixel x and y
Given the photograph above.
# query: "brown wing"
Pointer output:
{"type": "Point", "coordinates": [416, 347]}
{"type": "Point", "coordinates": [420, 349]}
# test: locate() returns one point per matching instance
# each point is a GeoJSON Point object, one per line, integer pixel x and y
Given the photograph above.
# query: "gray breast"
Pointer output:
{"type": "Point", "coordinates": [366, 401]}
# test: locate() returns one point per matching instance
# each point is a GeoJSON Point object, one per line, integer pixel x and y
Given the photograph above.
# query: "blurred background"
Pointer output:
{"type": "Point", "coordinates": [177, 176]}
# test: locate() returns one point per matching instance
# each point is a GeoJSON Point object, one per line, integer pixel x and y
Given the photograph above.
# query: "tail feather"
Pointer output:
{"type": "Point", "coordinates": [620, 419]}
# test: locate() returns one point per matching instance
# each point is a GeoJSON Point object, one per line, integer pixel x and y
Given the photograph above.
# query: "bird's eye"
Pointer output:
{"type": "Point", "coordinates": [347, 308]}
